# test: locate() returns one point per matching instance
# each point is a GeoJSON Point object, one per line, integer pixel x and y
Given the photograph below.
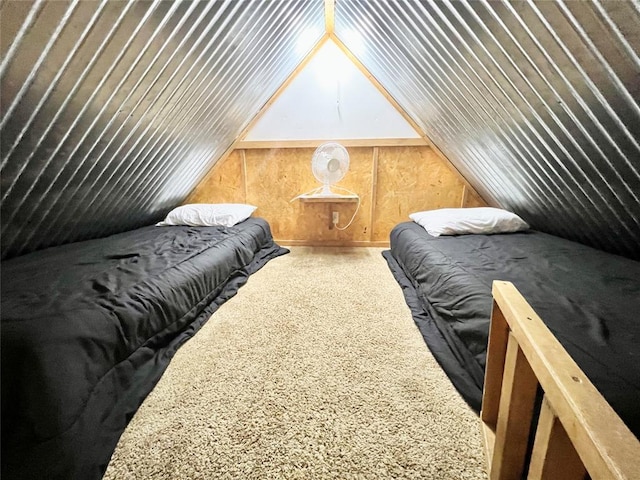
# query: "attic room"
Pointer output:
{"type": "Point", "coordinates": [320, 239]}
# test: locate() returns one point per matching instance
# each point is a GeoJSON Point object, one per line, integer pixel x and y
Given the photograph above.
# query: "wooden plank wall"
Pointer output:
{"type": "Point", "coordinates": [392, 181]}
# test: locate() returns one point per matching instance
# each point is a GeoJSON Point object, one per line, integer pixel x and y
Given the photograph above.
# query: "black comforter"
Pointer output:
{"type": "Point", "coordinates": [89, 328]}
{"type": "Point", "coordinates": [589, 299]}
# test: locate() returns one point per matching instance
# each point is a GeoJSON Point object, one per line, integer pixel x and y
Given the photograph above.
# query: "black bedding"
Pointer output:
{"type": "Point", "coordinates": [589, 299]}
{"type": "Point", "coordinates": [89, 328]}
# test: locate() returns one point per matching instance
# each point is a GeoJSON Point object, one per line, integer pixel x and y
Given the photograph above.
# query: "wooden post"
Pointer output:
{"type": "Point", "coordinates": [496, 351]}
{"type": "Point", "coordinates": [243, 155]}
{"type": "Point", "coordinates": [516, 409]}
{"type": "Point", "coordinates": [553, 453]}
{"type": "Point", "coordinates": [576, 424]}
{"type": "Point", "coordinates": [374, 188]}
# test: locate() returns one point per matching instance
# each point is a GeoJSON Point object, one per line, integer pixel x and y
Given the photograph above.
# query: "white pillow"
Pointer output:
{"type": "Point", "coordinates": [460, 221]}
{"type": "Point", "coordinates": [208, 214]}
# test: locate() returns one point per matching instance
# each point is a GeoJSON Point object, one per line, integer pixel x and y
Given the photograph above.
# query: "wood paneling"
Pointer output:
{"type": "Point", "coordinates": [391, 182]}
{"type": "Point", "coordinates": [223, 184]}
{"type": "Point", "coordinates": [275, 177]}
{"type": "Point", "coordinates": [411, 179]}
{"type": "Point", "coordinates": [472, 199]}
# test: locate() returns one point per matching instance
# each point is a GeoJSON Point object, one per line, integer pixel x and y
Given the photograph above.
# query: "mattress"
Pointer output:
{"type": "Point", "coordinates": [588, 298]}
{"type": "Point", "coordinates": [89, 328]}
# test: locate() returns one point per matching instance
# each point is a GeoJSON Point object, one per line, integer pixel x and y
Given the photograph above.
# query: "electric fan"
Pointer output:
{"type": "Point", "coordinates": [329, 164]}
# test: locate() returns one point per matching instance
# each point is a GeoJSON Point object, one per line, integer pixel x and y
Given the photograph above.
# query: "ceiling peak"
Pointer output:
{"type": "Point", "coordinates": [329, 15]}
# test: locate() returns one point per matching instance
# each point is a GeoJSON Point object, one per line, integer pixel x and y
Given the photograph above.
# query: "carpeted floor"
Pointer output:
{"type": "Point", "coordinates": [314, 370]}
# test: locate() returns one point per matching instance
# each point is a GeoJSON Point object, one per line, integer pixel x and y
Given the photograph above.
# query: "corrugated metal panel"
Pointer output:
{"type": "Point", "coordinates": [536, 103]}
{"type": "Point", "coordinates": [112, 111]}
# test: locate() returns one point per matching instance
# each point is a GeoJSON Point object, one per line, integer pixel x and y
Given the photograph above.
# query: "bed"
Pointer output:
{"type": "Point", "coordinates": [588, 299]}
{"type": "Point", "coordinates": [89, 328]}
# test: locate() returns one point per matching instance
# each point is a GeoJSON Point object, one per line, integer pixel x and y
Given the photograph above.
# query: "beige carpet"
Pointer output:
{"type": "Point", "coordinates": [315, 370]}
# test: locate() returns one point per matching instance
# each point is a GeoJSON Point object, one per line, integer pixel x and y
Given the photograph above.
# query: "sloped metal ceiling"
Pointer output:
{"type": "Point", "coordinates": [112, 111]}
{"type": "Point", "coordinates": [536, 103]}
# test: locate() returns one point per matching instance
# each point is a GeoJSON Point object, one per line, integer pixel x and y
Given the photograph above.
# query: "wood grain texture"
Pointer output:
{"type": "Point", "coordinates": [494, 368]}
{"type": "Point", "coordinates": [411, 179]}
{"type": "Point", "coordinates": [223, 184]}
{"type": "Point", "coordinates": [553, 453]}
{"type": "Point", "coordinates": [276, 176]}
{"type": "Point", "coordinates": [374, 190]}
{"type": "Point", "coordinates": [517, 401]}
{"type": "Point", "coordinates": [395, 182]}
{"type": "Point", "coordinates": [604, 443]}
{"type": "Point", "coordinates": [472, 199]}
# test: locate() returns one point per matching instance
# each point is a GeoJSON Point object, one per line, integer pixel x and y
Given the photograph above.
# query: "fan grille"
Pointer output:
{"type": "Point", "coordinates": [330, 163]}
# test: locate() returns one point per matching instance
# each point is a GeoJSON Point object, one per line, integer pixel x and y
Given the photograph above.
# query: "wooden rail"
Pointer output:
{"type": "Point", "coordinates": [577, 431]}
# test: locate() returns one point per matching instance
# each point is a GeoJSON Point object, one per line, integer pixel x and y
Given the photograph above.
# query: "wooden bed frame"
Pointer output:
{"type": "Point", "coordinates": [577, 432]}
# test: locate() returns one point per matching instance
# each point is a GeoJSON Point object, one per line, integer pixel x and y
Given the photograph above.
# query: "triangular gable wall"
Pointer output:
{"type": "Point", "coordinates": [330, 98]}
{"type": "Point", "coordinates": [243, 142]}
{"type": "Point", "coordinates": [392, 176]}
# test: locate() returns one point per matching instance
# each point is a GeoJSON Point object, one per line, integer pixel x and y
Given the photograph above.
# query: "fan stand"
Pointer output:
{"type": "Point", "coordinates": [326, 191]}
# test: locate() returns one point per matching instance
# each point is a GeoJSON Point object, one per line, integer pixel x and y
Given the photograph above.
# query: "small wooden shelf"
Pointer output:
{"type": "Point", "coordinates": [328, 198]}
